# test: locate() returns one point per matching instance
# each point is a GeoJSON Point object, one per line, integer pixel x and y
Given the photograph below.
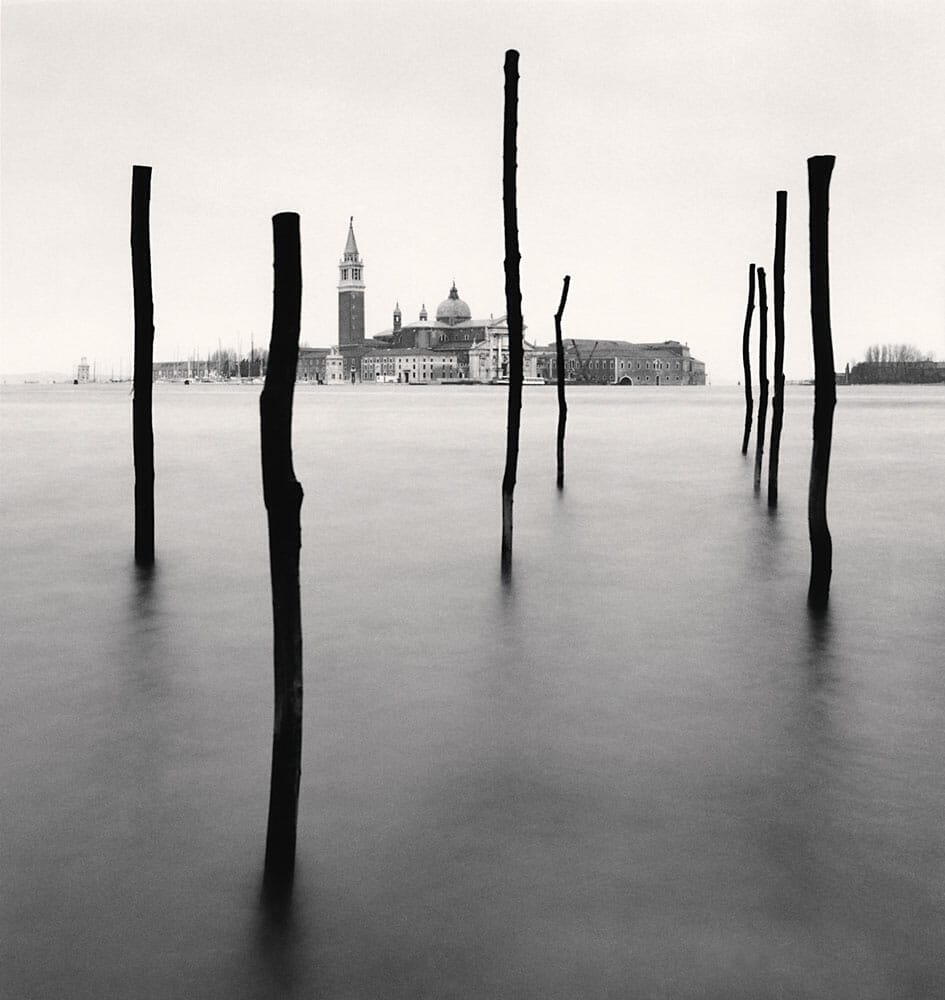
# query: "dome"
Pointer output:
{"type": "Point", "coordinates": [452, 310]}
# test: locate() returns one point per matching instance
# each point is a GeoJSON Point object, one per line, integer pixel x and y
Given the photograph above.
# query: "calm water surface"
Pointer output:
{"type": "Point", "coordinates": [640, 770]}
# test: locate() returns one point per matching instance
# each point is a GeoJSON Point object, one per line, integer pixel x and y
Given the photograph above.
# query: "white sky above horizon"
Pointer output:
{"type": "Point", "coordinates": [652, 139]}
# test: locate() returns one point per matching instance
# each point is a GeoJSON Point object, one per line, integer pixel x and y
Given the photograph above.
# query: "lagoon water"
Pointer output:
{"type": "Point", "coordinates": [640, 770]}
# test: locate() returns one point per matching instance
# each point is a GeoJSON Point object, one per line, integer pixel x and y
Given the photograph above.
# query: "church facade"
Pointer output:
{"type": "Point", "coordinates": [450, 340]}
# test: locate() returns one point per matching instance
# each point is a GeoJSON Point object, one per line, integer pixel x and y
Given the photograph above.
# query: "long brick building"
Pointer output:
{"type": "Point", "coordinates": [619, 362]}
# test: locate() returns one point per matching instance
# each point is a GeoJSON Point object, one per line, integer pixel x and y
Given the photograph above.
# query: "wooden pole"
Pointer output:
{"type": "Point", "coordinates": [142, 432]}
{"type": "Point", "coordinates": [283, 498]}
{"type": "Point", "coordinates": [777, 406]}
{"type": "Point", "coordinates": [819, 169]}
{"type": "Point", "coordinates": [762, 374]}
{"type": "Point", "coordinates": [559, 360]}
{"type": "Point", "coordinates": [513, 300]}
{"type": "Point", "coordinates": [746, 358]}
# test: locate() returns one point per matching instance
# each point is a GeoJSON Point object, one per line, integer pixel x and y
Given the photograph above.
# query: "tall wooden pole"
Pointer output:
{"type": "Point", "coordinates": [142, 432]}
{"type": "Point", "coordinates": [777, 406]}
{"type": "Point", "coordinates": [819, 169]}
{"type": "Point", "coordinates": [559, 360]}
{"type": "Point", "coordinates": [513, 300]}
{"type": "Point", "coordinates": [282, 494]}
{"type": "Point", "coordinates": [746, 358]}
{"type": "Point", "coordinates": [762, 374]}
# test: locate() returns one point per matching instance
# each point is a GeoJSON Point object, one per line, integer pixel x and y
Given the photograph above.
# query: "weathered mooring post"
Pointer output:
{"type": "Point", "coordinates": [142, 432]}
{"type": "Point", "coordinates": [559, 361]}
{"type": "Point", "coordinates": [819, 169]}
{"type": "Point", "coordinates": [283, 498]}
{"type": "Point", "coordinates": [762, 374]}
{"type": "Point", "coordinates": [777, 405]}
{"type": "Point", "coordinates": [746, 358]}
{"type": "Point", "coordinates": [513, 300]}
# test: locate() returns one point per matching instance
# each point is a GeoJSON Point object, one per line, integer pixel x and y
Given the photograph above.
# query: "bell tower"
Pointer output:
{"type": "Point", "coordinates": [350, 294]}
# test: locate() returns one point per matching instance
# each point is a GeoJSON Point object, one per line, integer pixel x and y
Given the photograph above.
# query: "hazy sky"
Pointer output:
{"type": "Point", "coordinates": [652, 139]}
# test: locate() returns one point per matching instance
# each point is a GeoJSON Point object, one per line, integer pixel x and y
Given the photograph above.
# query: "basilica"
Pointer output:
{"type": "Point", "coordinates": [451, 347]}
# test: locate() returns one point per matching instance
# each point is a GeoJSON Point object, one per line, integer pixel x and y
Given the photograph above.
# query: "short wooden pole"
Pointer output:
{"type": "Point", "coordinates": [777, 405]}
{"type": "Point", "coordinates": [746, 358]}
{"type": "Point", "coordinates": [819, 170]}
{"type": "Point", "coordinates": [559, 361]}
{"type": "Point", "coordinates": [762, 374]}
{"type": "Point", "coordinates": [513, 299]}
{"type": "Point", "coordinates": [282, 494]}
{"type": "Point", "coordinates": [142, 431]}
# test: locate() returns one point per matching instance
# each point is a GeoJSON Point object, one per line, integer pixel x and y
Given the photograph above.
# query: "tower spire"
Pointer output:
{"type": "Point", "coordinates": [351, 247]}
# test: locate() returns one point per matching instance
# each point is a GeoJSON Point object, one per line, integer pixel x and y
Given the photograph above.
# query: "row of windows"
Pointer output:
{"type": "Point", "coordinates": [355, 273]}
{"type": "Point", "coordinates": [658, 365]}
{"type": "Point", "coordinates": [388, 366]}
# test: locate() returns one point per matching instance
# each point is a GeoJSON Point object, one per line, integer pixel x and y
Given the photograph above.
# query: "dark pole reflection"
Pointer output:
{"type": "Point", "coordinates": [819, 633]}
{"type": "Point", "coordinates": [144, 589]}
{"type": "Point", "coordinates": [278, 937]}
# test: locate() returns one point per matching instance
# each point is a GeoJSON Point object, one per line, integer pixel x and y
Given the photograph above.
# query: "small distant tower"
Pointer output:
{"type": "Point", "coordinates": [350, 294]}
{"type": "Point", "coordinates": [82, 370]}
{"type": "Point", "coordinates": [397, 317]}
{"type": "Point", "coordinates": [423, 313]}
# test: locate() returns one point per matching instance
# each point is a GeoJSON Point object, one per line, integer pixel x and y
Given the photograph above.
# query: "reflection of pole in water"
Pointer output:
{"type": "Point", "coordinates": [142, 429]}
{"type": "Point", "coordinates": [746, 358]}
{"type": "Point", "coordinates": [513, 299]}
{"type": "Point", "coordinates": [762, 374]}
{"type": "Point", "coordinates": [283, 498]}
{"type": "Point", "coordinates": [777, 406]}
{"type": "Point", "coordinates": [819, 169]}
{"type": "Point", "coordinates": [559, 360]}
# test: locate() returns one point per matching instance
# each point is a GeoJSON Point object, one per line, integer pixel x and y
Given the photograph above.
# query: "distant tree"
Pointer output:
{"type": "Point", "coordinates": [222, 361]}
{"type": "Point", "coordinates": [583, 371]}
{"type": "Point", "coordinates": [891, 363]}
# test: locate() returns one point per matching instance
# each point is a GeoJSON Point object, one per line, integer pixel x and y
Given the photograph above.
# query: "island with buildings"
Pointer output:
{"type": "Point", "coordinates": [451, 348]}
